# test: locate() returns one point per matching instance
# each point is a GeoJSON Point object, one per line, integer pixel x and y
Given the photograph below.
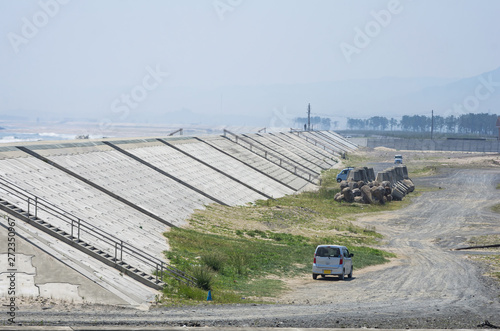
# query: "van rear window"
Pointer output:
{"type": "Point", "coordinates": [328, 252]}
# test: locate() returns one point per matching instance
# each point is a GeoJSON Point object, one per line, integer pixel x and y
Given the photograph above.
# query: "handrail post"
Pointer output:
{"type": "Point", "coordinates": [121, 250]}
{"type": "Point", "coordinates": [116, 249]}
{"type": "Point", "coordinates": [28, 205]}
{"type": "Point", "coordinates": [36, 206]}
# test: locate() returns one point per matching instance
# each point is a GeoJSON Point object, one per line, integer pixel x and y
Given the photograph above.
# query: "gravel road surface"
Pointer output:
{"type": "Point", "coordinates": [428, 286]}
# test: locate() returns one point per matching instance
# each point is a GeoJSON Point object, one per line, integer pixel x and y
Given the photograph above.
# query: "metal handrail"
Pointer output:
{"type": "Point", "coordinates": [316, 142]}
{"type": "Point", "coordinates": [180, 131]}
{"type": "Point", "coordinates": [81, 227]}
{"type": "Point", "coordinates": [266, 153]}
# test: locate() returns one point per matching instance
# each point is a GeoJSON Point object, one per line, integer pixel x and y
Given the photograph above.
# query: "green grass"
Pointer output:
{"type": "Point", "coordinates": [356, 160]}
{"type": "Point", "coordinates": [496, 208]}
{"type": "Point", "coordinates": [321, 203]}
{"type": "Point", "coordinates": [242, 252]}
{"type": "Point", "coordinates": [421, 171]}
{"type": "Point", "coordinates": [262, 287]}
{"type": "Point", "coordinates": [244, 264]}
{"type": "Point", "coordinates": [329, 177]}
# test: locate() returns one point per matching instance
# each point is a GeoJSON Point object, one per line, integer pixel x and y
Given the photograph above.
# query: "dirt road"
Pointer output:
{"type": "Point", "coordinates": [427, 277]}
{"type": "Point", "coordinates": [428, 286]}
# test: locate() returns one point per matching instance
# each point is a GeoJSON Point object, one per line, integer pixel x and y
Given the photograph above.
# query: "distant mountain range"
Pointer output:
{"type": "Point", "coordinates": [389, 97]}
{"type": "Point", "coordinates": [277, 105]}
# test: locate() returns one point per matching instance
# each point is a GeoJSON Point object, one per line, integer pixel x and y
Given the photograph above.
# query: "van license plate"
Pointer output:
{"type": "Point", "coordinates": [327, 272]}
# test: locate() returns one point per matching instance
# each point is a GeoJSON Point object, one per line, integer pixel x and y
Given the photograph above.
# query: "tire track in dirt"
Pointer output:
{"type": "Point", "coordinates": [428, 286]}
{"type": "Point", "coordinates": [428, 274]}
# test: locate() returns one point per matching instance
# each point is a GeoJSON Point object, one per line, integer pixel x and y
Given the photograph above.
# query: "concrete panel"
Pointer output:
{"type": "Point", "coordinates": [326, 154]}
{"type": "Point", "coordinates": [285, 153]}
{"type": "Point", "coordinates": [85, 202]}
{"type": "Point", "coordinates": [49, 270]}
{"type": "Point", "coordinates": [197, 174]}
{"type": "Point", "coordinates": [258, 162]}
{"type": "Point", "coordinates": [235, 168]}
{"type": "Point", "coordinates": [307, 154]}
{"type": "Point", "coordinates": [135, 182]}
{"type": "Point", "coordinates": [334, 140]}
{"type": "Point", "coordinates": [344, 141]}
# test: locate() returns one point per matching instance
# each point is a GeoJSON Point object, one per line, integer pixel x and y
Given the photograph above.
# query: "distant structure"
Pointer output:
{"type": "Point", "coordinates": [309, 117]}
{"type": "Point", "coordinates": [498, 126]}
{"type": "Point", "coordinates": [179, 131]}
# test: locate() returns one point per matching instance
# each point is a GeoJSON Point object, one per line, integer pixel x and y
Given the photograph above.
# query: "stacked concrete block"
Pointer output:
{"type": "Point", "coordinates": [391, 184]}
{"type": "Point", "coordinates": [364, 174]}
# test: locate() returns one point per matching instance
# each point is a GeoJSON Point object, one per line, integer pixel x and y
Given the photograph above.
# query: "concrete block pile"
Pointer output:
{"type": "Point", "coordinates": [363, 187]}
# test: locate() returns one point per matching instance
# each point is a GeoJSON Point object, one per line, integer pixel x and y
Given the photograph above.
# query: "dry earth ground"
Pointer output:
{"type": "Point", "coordinates": [429, 285]}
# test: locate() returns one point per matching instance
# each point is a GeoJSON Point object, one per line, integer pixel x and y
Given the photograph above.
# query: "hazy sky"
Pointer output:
{"type": "Point", "coordinates": [88, 55]}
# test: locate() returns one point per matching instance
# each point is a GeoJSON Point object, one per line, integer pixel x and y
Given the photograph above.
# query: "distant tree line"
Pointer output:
{"type": "Point", "coordinates": [317, 122]}
{"type": "Point", "coordinates": [482, 123]}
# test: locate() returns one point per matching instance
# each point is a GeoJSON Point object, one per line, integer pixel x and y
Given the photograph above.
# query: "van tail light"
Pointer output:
{"type": "Point", "coordinates": [314, 259]}
{"type": "Point", "coordinates": [341, 261]}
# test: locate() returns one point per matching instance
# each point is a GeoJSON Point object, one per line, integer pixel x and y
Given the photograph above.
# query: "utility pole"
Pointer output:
{"type": "Point", "coordinates": [432, 123]}
{"type": "Point", "coordinates": [309, 117]}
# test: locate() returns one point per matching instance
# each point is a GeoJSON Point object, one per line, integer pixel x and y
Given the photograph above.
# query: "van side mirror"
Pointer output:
{"type": "Point", "coordinates": [351, 255]}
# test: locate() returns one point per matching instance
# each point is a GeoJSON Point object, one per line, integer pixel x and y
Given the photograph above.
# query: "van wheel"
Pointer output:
{"type": "Point", "coordinates": [339, 180]}
{"type": "Point", "coordinates": [315, 276]}
{"type": "Point", "coordinates": [350, 274]}
{"type": "Point", "coordinates": [341, 276]}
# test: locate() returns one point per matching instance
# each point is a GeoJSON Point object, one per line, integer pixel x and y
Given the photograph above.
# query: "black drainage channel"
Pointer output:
{"type": "Point", "coordinates": [248, 165]}
{"type": "Point", "coordinates": [94, 185]}
{"type": "Point", "coordinates": [180, 181]}
{"type": "Point", "coordinates": [215, 169]}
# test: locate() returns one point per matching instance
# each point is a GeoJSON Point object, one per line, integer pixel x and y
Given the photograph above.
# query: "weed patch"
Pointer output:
{"type": "Point", "coordinates": [243, 265]}
{"type": "Point", "coordinates": [242, 252]}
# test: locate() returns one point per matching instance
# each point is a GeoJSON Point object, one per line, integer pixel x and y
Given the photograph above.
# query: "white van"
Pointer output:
{"type": "Point", "coordinates": [332, 260]}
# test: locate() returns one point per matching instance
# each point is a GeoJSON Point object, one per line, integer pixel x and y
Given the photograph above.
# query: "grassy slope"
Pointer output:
{"type": "Point", "coordinates": [241, 252]}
